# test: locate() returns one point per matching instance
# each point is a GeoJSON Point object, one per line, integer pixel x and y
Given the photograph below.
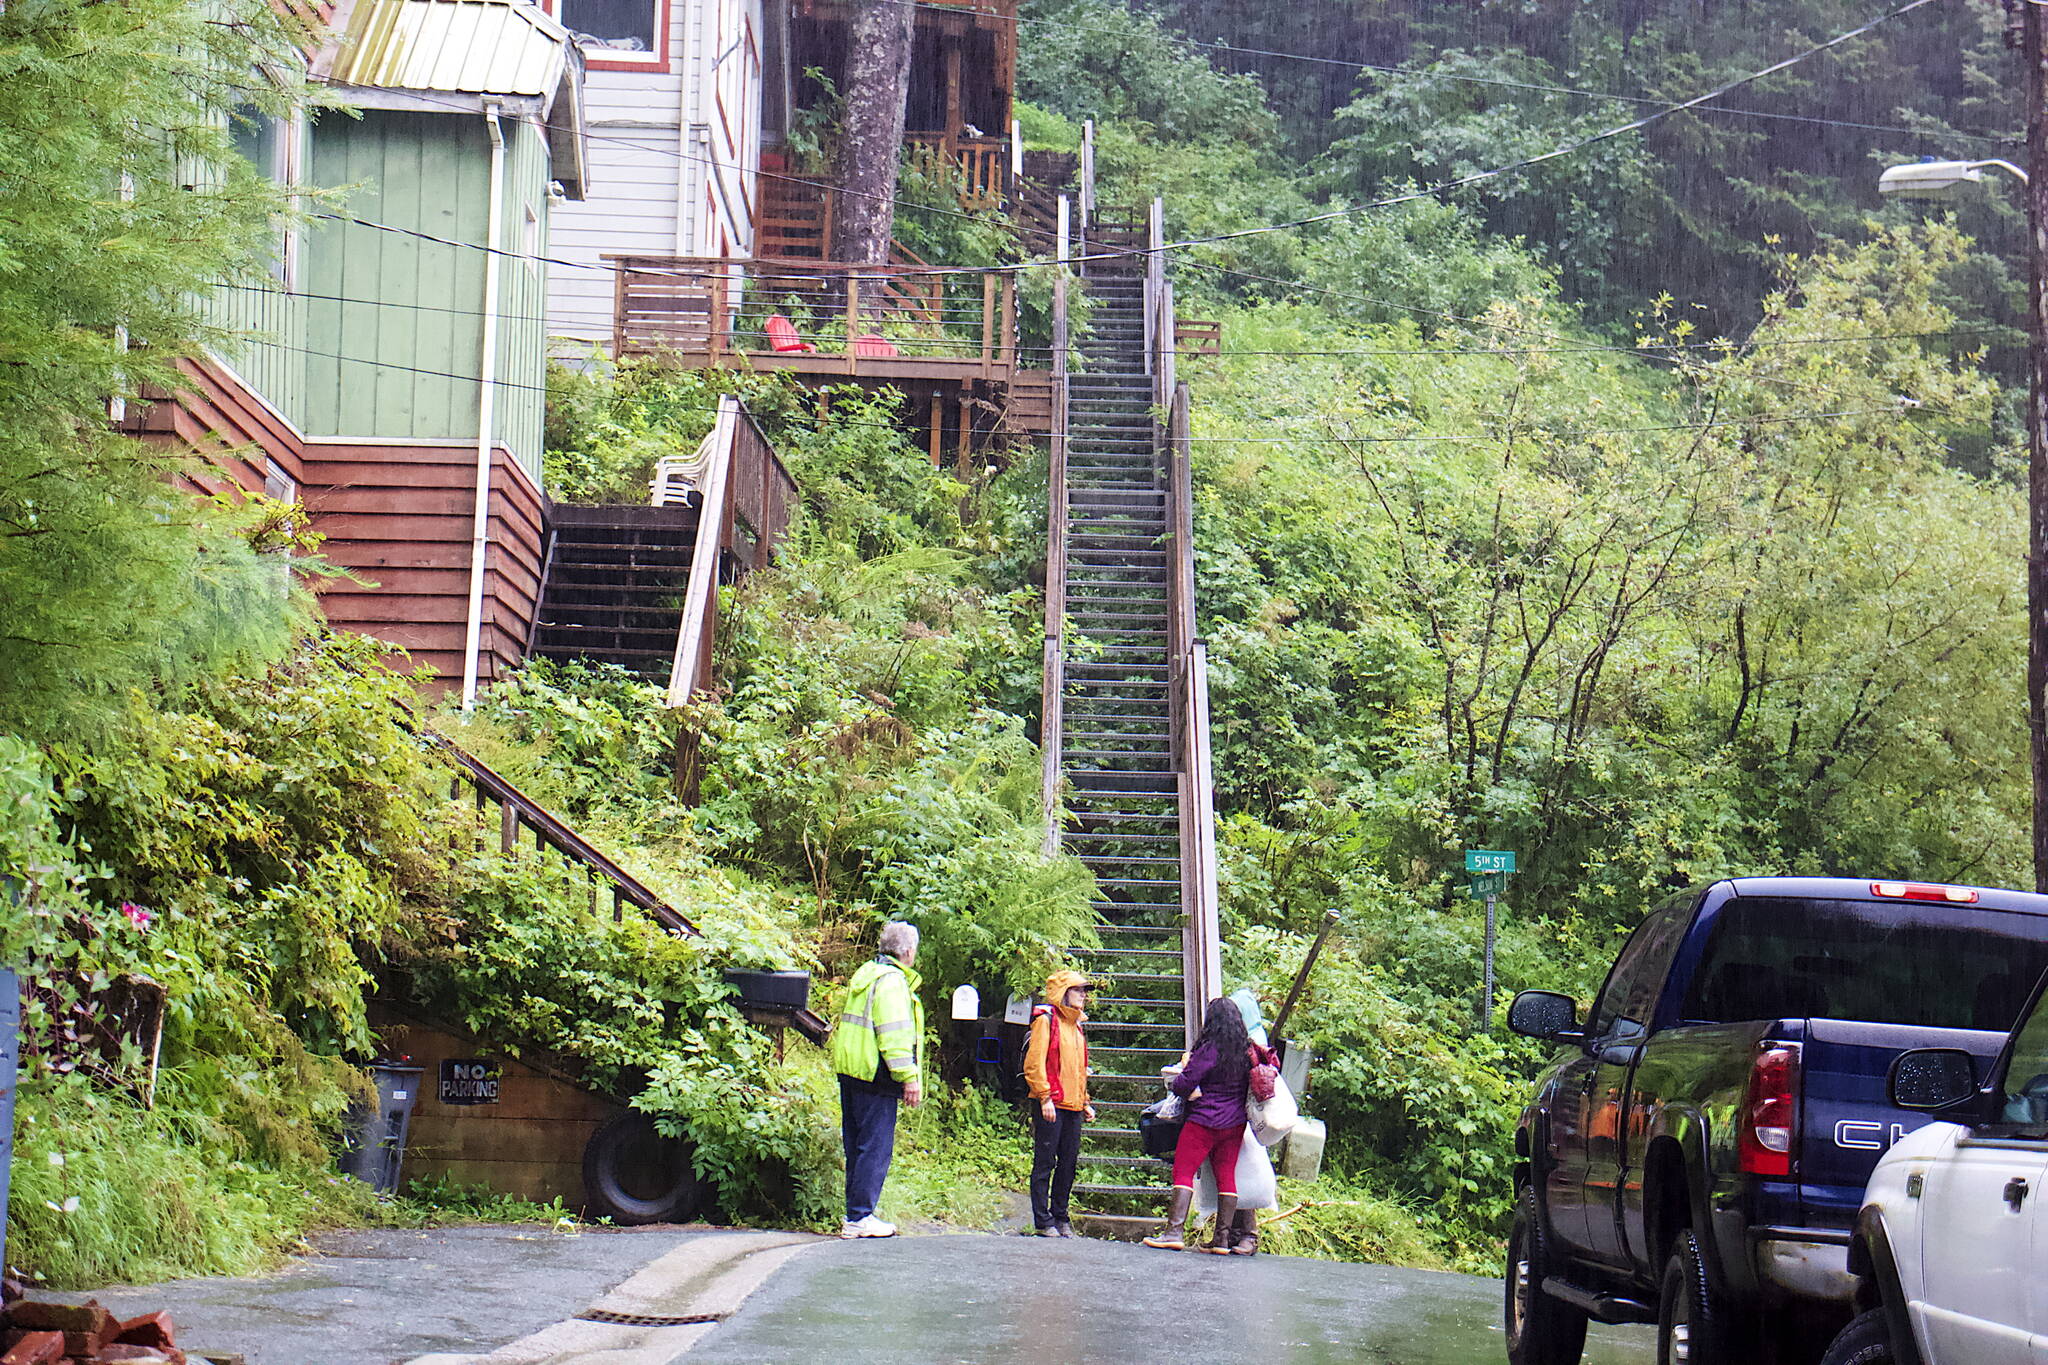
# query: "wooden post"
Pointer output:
{"type": "Point", "coordinates": [715, 323]}
{"type": "Point", "coordinates": [852, 321]}
{"type": "Point", "coordinates": [508, 828]}
{"type": "Point", "coordinates": [953, 119]}
{"type": "Point", "coordinates": [988, 324]}
{"type": "Point", "coordinates": [618, 906]}
{"type": "Point", "coordinates": [966, 426]}
{"type": "Point", "coordinates": [938, 437]}
{"type": "Point", "coordinates": [1009, 334]}
{"type": "Point", "coordinates": [619, 278]}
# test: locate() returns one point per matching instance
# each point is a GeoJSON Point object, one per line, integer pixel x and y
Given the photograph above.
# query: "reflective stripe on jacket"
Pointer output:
{"type": "Point", "coordinates": [883, 1023]}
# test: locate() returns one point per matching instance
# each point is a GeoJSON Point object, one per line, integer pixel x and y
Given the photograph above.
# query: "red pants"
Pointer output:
{"type": "Point", "coordinates": [1217, 1146]}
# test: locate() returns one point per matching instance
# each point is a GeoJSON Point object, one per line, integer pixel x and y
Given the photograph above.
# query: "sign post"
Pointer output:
{"type": "Point", "coordinates": [1489, 869]}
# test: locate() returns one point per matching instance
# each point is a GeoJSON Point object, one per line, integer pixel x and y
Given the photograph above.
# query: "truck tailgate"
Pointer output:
{"type": "Point", "coordinates": [1845, 1120]}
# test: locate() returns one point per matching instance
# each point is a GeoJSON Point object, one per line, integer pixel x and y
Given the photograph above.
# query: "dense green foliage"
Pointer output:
{"type": "Point", "coordinates": [1499, 547]}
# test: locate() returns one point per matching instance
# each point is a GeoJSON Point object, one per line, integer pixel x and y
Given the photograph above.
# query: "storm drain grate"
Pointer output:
{"type": "Point", "coordinates": [648, 1319]}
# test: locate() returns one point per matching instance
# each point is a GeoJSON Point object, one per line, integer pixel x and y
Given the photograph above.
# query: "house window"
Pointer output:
{"type": "Point", "coordinates": [614, 29]}
{"type": "Point", "coordinates": [277, 484]}
{"type": "Point", "coordinates": [271, 146]}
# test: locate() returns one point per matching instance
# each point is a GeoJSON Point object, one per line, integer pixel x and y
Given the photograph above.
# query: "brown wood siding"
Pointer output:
{"type": "Point", "coordinates": [228, 428]}
{"type": "Point", "coordinates": [399, 519]}
{"type": "Point", "coordinates": [529, 1144]}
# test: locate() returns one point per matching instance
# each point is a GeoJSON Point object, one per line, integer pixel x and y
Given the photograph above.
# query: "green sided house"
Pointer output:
{"type": "Point", "coordinates": [394, 380]}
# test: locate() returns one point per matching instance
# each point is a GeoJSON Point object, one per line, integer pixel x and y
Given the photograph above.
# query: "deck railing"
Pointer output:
{"type": "Point", "coordinates": [982, 165]}
{"type": "Point", "coordinates": [746, 495]}
{"type": "Point", "coordinates": [843, 319]}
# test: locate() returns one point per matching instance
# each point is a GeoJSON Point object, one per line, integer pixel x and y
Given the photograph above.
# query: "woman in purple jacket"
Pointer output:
{"type": "Point", "coordinates": [1215, 1081]}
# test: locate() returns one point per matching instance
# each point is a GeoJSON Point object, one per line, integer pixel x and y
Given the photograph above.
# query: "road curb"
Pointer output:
{"type": "Point", "coordinates": [658, 1314]}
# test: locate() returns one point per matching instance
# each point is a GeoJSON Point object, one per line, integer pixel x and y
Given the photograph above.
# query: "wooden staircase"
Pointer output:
{"type": "Point", "coordinates": [621, 583]}
{"type": "Point", "coordinates": [612, 590]}
{"type": "Point", "coordinates": [1124, 709]}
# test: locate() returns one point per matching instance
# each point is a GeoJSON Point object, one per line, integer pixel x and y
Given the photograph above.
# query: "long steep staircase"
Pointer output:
{"type": "Point", "coordinates": [1123, 705]}
{"type": "Point", "coordinates": [612, 589]}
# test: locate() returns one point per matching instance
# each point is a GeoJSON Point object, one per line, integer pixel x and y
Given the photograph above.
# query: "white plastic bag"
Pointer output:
{"type": "Point", "coordinates": [1256, 1188]}
{"type": "Point", "coordinates": [1274, 1119]}
{"type": "Point", "coordinates": [1171, 1108]}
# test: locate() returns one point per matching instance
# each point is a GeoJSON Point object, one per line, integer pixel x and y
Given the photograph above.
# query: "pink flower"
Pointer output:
{"type": "Point", "coordinates": [137, 916]}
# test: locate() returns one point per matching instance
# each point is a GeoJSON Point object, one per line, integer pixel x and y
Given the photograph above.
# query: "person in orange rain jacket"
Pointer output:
{"type": "Point", "coordinates": [1056, 1070]}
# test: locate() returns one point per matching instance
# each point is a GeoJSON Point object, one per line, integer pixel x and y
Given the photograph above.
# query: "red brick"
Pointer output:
{"type": "Point", "coordinates": [87, 1319]}
{"type": "Point", "coordinates": [35, 1348]}
{"type": "Point", "coordinates": [151, 1329]}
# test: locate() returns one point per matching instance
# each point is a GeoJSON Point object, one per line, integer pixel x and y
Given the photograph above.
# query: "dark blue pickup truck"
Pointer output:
{"type": "Point", "coordinates": [1696, 1153]}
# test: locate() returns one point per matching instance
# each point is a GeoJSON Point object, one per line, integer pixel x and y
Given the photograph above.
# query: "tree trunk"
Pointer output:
{"type": "Point", "coordinates": [871, 143]}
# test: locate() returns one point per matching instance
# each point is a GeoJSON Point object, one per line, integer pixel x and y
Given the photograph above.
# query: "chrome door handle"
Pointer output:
{"type": "Point", "coordinates": [2015, 1193]}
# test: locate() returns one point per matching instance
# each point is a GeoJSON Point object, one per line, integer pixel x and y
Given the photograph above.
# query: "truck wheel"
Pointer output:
{"type": "Point", "coordinates": [633, 1175]}
{"type": "Point", "coordinates": [1541, 1329]}
{"type": "Point", "coordinates": [1692, 1328]}
{"type": "Point", "coordinates": [1865, 1341]}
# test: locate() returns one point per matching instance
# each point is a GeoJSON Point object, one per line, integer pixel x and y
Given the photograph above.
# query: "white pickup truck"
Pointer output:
{"type": "Point", "coordinates": [1954, 1224]}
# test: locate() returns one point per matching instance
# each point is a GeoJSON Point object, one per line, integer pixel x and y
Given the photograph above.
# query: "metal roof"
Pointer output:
{"type": "Point", "coordinates": [475, 47]}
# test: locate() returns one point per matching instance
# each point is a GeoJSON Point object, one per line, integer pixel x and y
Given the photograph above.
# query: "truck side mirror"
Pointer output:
{"type": "Point", "coordinates": [1546, 1015]}
{"type": "Point", "coordinates": [1931, 1079]}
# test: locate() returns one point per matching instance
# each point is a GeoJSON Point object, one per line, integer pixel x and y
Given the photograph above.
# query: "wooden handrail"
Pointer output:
{"type": "Point", "coordinates": [692, 662]}
{"type": "Point", "coordinates": [518, 809]}
{"type": "Point", "coordinates": [1052, 705]}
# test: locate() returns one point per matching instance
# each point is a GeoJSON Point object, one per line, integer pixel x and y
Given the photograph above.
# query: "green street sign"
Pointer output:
{"type": "Point", "coordinates": [1489, 860]}
{"type": "Point", "coordinates": [1486, 884]}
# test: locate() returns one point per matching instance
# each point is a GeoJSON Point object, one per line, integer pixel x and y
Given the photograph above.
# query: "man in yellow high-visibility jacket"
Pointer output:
{"type": "Point", "coordinates": [875, 1051]}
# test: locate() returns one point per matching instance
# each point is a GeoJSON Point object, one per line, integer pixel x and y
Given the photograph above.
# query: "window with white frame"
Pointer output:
{"type": "Point", "coordinates": [615, 30]}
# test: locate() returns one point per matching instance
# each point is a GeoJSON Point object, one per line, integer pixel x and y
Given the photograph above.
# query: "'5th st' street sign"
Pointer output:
{"type": "Point", "coordinates": [1489, 860]}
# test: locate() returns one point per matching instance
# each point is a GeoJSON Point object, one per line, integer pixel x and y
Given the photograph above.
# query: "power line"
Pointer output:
{"type": "Point", "coordinates": [1759, 420]}
{"type": "Point", "coordinates": [1568, 149]}
{"type": "Point", "coordinates": [1227, 47]}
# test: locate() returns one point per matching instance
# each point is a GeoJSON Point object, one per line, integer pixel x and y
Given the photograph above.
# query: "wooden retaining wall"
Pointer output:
{"type": "Point", "coordinates": [528, 1144]}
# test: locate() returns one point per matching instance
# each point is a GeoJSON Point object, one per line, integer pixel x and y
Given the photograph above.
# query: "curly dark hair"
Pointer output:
{"type": "Point", "coordinates": [1223, 1029]}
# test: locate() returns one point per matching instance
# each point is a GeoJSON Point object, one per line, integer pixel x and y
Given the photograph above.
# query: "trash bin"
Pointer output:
{"type": "Point", "coordinates": [373, 1139]}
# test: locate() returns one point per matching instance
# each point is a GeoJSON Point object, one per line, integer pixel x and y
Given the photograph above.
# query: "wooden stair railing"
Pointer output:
{"type": "Point", "coordinates": [518, 812]}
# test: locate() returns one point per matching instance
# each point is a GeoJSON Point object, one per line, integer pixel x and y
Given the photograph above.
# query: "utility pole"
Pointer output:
{"type": "Point", "coordinates": [2034, 49]}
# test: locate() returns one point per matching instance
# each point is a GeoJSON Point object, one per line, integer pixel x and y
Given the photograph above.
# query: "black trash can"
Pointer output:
{"type": "Point", "coordinates": [373, 1140]}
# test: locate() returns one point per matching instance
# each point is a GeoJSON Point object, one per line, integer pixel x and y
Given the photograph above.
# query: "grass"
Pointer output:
{"type": "Point", "coordinates": [959, 1155]}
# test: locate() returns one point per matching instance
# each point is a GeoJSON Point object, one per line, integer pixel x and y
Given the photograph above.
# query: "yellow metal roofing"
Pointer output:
{"type": "Point", "coordinates": [484, 47]}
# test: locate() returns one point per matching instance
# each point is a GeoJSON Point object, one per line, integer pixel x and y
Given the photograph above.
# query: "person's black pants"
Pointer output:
{"type": "Point", "coordinates": [1055, 1150]}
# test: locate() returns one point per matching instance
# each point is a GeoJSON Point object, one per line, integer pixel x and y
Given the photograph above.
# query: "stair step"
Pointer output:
{"type": "Point", "coordinates": [1126, 952]}
{"type": "Point", "coordinates": [1137, 1002]}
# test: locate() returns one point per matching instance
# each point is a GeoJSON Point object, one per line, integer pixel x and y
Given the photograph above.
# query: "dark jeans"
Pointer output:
{"type": "Point", "coordinates": [867, 1125]}
{"type": "Point", "coordinates": [1055, 1149]}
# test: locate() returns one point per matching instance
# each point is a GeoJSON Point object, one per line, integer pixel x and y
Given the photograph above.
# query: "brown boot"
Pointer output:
{"type": "Point", "coordinates": [1171, 1237]}
{"type": "Point", "coordinates": [1246, 1242]}
{"type": "Point", "coordinates": [1226, 1223]}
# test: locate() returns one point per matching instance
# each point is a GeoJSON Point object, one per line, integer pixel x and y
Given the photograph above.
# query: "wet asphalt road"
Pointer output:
{"type": "Point", "coordinates": [997, 1300]}
{"type": "Point", "coordinates": [373, 1298]}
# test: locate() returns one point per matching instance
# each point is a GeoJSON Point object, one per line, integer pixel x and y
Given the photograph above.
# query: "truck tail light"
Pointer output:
{"type": "Point", "coordinates": [1924, 891]}
{"type": "Point", "coordinates": [1769, 1112]}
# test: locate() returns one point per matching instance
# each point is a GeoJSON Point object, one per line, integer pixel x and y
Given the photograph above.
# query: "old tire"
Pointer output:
{"type": "Point", "coordinates": [1541, 1329]}
{"type": "Point", "coordinates": [1692, 1325]}
{"type": "Point", "coordinates": [633, 1175]}
{"type": "Point", "coordinates": [1867, 1340]}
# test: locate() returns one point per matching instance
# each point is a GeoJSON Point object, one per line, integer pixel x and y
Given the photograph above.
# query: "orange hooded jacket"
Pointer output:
{"type": "Point", "coordinates": [1065, 1084]}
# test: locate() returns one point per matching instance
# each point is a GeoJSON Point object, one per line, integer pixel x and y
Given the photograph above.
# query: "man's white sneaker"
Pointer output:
{"type": "Point", "coordinates": [869, 1226]}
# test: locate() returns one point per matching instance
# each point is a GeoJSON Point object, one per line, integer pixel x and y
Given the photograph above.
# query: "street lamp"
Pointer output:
{"type": "Point", "coordinates": [1940, 180]}
{"type": "Point", "coordinates": [1931, 179]}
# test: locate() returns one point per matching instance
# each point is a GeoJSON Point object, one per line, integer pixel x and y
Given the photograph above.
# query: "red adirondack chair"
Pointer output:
{"type": "Point", "coordinates": [782, 337]}
{"type": "Point", "coordinates": [870, 346]}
